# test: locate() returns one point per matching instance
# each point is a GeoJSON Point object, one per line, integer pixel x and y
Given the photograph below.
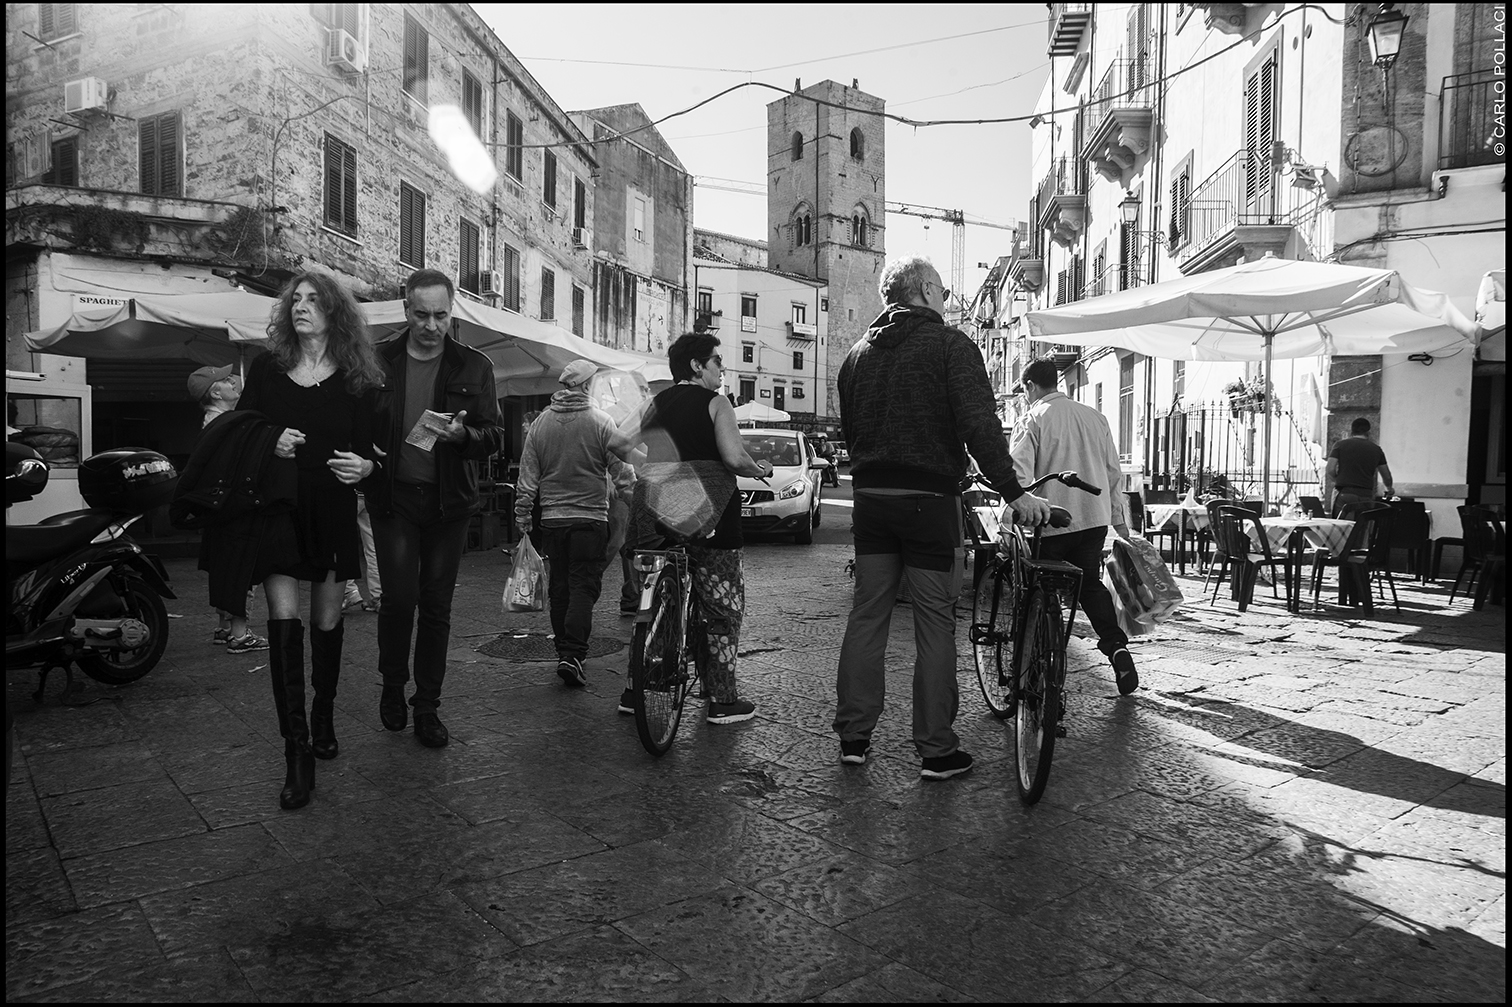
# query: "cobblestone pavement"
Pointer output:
{"type": "Point", "coordinates": [1292, 808]}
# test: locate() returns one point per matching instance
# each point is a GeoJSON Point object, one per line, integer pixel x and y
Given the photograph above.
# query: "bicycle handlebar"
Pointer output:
{"type": "Point", "coordinates": [1068, 478]}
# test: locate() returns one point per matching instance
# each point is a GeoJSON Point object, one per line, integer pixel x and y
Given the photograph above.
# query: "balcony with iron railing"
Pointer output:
{"type": "Point", "coordinates": [1472, 113]}
{"type": "Point", "coordinates": [1245, 209]}
{"type": "Point", "coordinates": [1120, 118]}
{"type": "Point", "coordinates": [1068, 22]}
{"type": "Point", "coordinates": [1063, 200]}
{"type": "Point", "coordinates": [1113, 277]}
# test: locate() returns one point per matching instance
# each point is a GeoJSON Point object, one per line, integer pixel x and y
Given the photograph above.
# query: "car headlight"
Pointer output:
{"type": "Point", "coordinates": [792, 490]}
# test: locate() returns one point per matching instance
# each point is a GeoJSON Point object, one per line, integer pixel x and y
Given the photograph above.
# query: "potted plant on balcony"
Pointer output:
{"type": "Point", "coordinates": [1246, 398]}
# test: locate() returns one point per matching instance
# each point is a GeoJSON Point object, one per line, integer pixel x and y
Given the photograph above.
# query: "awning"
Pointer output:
{"type": "Point", "coordinates": [205, 328]}
{"type": "Point", "coordinates": [528, 354]}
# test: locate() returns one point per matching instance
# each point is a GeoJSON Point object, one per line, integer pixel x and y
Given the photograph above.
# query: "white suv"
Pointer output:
{"type": "Point", "coordinates": [790, 504]}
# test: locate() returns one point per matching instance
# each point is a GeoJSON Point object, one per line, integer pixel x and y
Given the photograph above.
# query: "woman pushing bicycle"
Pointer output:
{"type": "Point", "coordinates": [685, 491]}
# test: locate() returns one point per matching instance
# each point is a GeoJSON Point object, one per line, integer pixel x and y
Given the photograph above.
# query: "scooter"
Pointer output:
{"type": "Point", "coordinates": [81, 591]}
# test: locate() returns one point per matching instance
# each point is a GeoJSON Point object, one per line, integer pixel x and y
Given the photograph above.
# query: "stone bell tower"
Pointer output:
{"type": "Point", "coordinates": [826, 192]}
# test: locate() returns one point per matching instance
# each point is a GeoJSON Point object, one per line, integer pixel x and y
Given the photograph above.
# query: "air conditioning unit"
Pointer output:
{"type": "Point", "coordinates": [490, 282]}
{"type": "Point", "coordinates": [344, 51]}
{"type": "Point", "coordinates": [87, 94]}
{"type": "Point", "coordinates": [582, 237]}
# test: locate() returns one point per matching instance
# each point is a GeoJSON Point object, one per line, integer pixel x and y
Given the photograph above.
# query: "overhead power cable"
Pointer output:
{"type": "Point", "coordinates": [921, 123]}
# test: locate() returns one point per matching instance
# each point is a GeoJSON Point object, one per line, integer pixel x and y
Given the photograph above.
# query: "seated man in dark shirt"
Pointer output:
{"type": "Point", "coordinates": [1352, 467]}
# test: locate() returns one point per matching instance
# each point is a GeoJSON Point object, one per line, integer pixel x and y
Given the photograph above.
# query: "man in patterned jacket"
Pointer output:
{"type": "Point", "coordinates": [914, 399]}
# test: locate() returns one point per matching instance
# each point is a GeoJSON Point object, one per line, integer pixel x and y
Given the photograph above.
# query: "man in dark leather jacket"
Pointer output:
{"type": "Point", "coordinates": [436, 418]}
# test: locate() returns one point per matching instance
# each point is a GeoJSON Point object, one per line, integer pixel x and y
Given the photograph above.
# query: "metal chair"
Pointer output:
{"type": "Point", "coordinates": [1246, 550]}
{"type": "Point", "coordinates": [1380, 553]}
{"type": "Point", "coordinates": [1484, 544]}
{"type": "Point", "coordinates": [1353, 562]}
{"type": "Point", "coordinates": [1409, 531]}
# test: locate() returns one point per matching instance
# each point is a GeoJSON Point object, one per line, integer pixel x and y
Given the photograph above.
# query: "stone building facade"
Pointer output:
{"type": "Point", "coordinates": [642, 243]}
{"type": "Point", "coordinates": [234, 145]}
{"type": "Point", "coordinates": [826, 196]}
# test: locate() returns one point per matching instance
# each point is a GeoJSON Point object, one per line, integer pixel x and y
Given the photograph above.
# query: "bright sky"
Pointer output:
{"type": "Point", "coordinates": [996, 67]}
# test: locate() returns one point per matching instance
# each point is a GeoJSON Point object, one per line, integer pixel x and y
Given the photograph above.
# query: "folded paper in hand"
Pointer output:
{"type": "Point", "coordinates": [426, 429]}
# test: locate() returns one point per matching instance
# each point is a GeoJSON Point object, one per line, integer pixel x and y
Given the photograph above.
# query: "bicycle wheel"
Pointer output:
{"type": "Point", "coordinates": [992, 631]}
{"type": "Point", "coordinates": [1041, 673]}
{"type": "Point", "coordinates": [658, 681]}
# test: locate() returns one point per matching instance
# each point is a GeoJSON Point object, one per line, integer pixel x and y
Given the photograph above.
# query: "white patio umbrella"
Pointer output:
{"type": "Point", "coordinates": [1263, 310]}
{"type": "Point", "coordinates": [755, 412]}
{"type": "Point", "coordinates": [528, 354]}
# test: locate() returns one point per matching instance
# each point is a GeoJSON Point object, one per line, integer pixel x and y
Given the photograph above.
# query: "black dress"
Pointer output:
{"type": "Point", "coordinates": [324, 524]}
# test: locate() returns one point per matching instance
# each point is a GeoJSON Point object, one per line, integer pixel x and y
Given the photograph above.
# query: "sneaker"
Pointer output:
{"type": "Point", "coordinates": [570, 670]}
{"type": "Point", "coordinates": [1123, 671]}
{"type": "Point", "coordinates": [221, 637]}
{"type": "Point", "coordinates": [943, 767]}
{"type": "Point", "coordinates": [730, 713]}
{"type": "Point", "coordinates": [351, 599]}
{"type": "Point", "coordinates": [854, 753]}
{"type": "Point", "coordinates": [627, 702]}
{"type": "Point", "coordinates": [246, 644]}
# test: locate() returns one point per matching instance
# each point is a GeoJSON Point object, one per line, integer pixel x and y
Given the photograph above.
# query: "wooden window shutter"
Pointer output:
{"type": "Point", "coordinates": [345, 17]}
{"type": "Point", "coordinates": [147, 161]}
{"type": "Point", "coordinates": [411, 226]}
{"type": "Point", "coordinates": [548, 184]}
{"type": "Point", "coordinates": [511, 278]}
{"type": "Point", "coordinates": [65, 163]}
{"type": "Point", "coordinates": [467, 257]}
{"type": "Point", "coordinates": [579, 203]}
{"type": "Point", "coordinates": [577, 310]}
{"type": "Point", "coordinates": [349, 187]}
{"type": "Point", "coordinates": [54, 20]}
{"type": "Point", "coordinates": [472, 102]}
{"type": "Point", "coordinates": [548, 293]}
{"type": "Point", "coordinates": [169, 183]}
{"type": "Point", "coordinates": [416, 58]}
{"type": "Point", "coordinates": [332, 181]}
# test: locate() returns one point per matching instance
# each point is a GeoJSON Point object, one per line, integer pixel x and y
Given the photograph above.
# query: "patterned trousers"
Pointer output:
{"type": "Point", "coordinates": [719, 586]}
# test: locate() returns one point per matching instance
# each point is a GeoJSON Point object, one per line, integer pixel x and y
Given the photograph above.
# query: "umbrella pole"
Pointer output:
{"type": "Point", "coordinates": [1266, 461]}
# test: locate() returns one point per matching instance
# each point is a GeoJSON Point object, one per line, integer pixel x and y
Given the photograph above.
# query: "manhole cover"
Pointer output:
{"type": "Point", "coordinates": [1195, 649]}
{"type": "Point", "coordinates": [541, 648]}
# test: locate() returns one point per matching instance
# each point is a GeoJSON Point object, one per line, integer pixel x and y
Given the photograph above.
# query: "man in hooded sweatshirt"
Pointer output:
{"type": "Point", "coordinates": [914, 399]}
{"type": "Point", "coordinates": [566, 463]}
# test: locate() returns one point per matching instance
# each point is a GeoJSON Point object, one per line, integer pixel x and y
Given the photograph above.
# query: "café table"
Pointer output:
{"type": "Point", "coordinates": [1186, 513]}
{"type": "Point", "coordinates": [1298, 537]}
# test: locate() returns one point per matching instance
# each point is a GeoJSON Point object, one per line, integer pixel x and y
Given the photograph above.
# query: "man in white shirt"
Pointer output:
{"type": "Point", "coordinates": [1059, 434]}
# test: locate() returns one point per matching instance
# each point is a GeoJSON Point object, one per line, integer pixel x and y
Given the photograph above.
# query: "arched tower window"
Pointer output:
{"type": "Point", "coordinates": [858, 144]}
{"type": "Point", "coordinates": [797, 146]}
{"type": "Point", "coordinates": [859, 227]}
{"type": "Point", "coordinates": [802, 225]}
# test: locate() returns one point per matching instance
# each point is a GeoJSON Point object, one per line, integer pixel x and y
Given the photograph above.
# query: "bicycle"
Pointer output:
{"type": "Point", "coordinates": [1018, 639]}
{"type": "Point", "coordinates": [668, 630]}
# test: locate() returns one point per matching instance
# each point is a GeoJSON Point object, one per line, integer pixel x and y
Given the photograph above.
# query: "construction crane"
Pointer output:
{"type": "Point", "coordinates": [957, 221]}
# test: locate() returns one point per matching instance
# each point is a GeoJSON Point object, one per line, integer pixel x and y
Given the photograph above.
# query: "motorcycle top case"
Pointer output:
{"type": "Point", "coordinates": [127, 479]}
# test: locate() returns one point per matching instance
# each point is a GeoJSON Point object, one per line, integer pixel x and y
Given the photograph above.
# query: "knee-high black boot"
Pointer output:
{"type": "Point", "coordinates": [286, 668]}
{"type": "Point", "coordinates": [325, 669]}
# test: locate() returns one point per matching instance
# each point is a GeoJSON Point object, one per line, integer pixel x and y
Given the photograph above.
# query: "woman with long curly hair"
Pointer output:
{"type": "Point", "coordinates": [316, 382]}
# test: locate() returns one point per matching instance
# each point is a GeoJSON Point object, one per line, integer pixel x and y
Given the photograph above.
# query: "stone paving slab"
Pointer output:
{"type": "Point", "coordinates": [1298, 808]}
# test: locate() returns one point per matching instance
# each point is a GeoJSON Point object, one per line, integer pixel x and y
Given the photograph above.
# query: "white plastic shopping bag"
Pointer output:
{"type": "Point", "coordinates": [525, 591]}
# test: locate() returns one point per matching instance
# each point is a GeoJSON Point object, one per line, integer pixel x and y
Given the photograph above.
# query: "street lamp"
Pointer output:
{"type": "Point", "coordinates": [1129, 209]}
{"type": "Point", "coordinates": [1385, 35]}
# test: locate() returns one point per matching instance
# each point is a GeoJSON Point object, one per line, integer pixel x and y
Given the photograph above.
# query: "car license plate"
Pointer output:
{"type": "Point", "coordinates": [748, 512]}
